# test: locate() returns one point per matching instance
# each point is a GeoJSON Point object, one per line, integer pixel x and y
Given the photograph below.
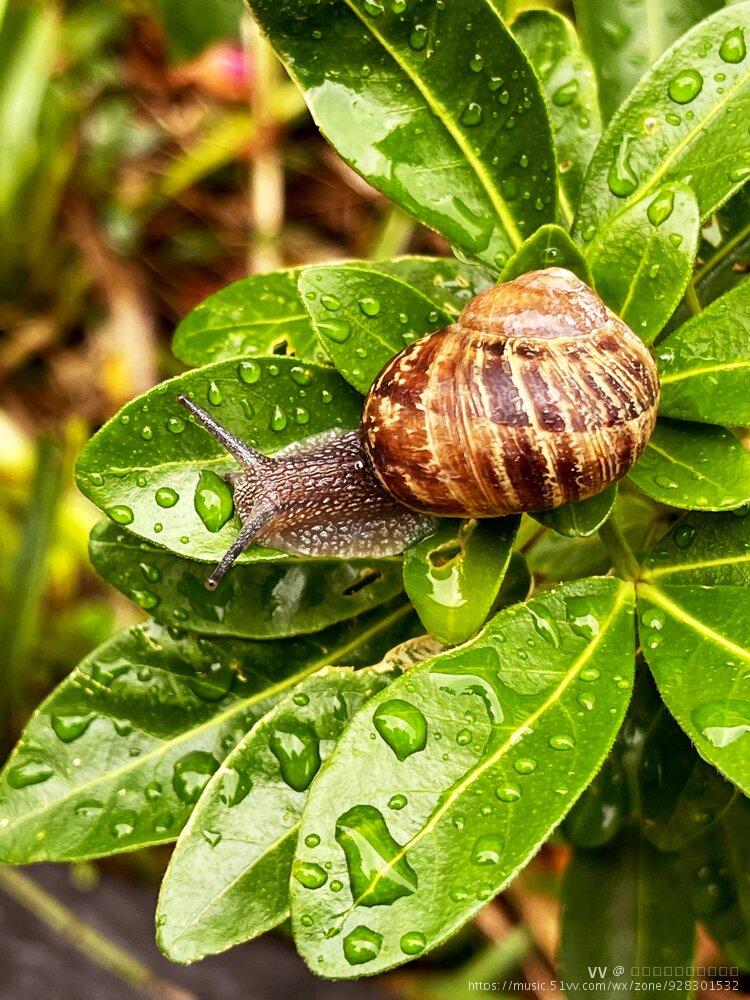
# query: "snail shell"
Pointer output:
{"type": "Point", "coordinates": [536, 397]}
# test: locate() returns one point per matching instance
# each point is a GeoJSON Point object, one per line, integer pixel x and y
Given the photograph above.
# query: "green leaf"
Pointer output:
{"type": "Point", "coordinates": [453, 576]}
{"type": "Point", "coordinates": [704, 367]}
{"type": "Point", "coordinates": [694, 466]}
{"type": "Point", "coordinates": [116, 757]}
{"type": "Point", "coordinates": [625, 37]}
{"type": "Point", "coordinates": [642, 259]}
{"type": "Point", "coordinates": [261, 600]}
{"type": "Point", "coordinates": [695, 633]}
{"type": "Point", "coordinates": [567, 77]}
{"type": "Point", "coordinates": [598, 816]}
{"type": "Point", "coordinates": [680, 795]}
{"type": "Point", "coordinates": [577, 520]}
{"type": "Point", "coordinates": [685, 119]}
{"type": "Point", "coordinates": [549, 246]}
{"type": "Point", "coordinates": [489, 744]}
{"type": "Point", "coordinates": [715, 868]}
{"type": "Point", "coordinates": [435, 106]}
{"type": "Point", "coordinates": [143, 468]}
{"type": "Point", "coordinates": [262, 314]}
{"type": "Point", "coordinates": [623, 908]}
{"type": "Point", "coordinates": [363, 316]}
{"type": "Point", "coordinates": [228, 879]}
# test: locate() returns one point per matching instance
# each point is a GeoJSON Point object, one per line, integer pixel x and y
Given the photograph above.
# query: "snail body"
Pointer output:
{"type": "Point", "coordinates": [537, 396]}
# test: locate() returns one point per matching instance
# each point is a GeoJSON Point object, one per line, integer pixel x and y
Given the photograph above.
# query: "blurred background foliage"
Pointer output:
{"type": "Point", "coordinates": [151, 152]}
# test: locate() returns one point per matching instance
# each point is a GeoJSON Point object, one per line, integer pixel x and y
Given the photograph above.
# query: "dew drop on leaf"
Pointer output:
{"type": "Point", "coordinates": [525, 765]}
{"type": "Point", "coordinates": [379, 874]}
{"type": "Point", "coordinates": [685, 86]}
{"type": "Point", "coordinates": [214, 395]}
{"type": "Point", "coordinates": [369, 306]}
{"type": "Point", "coordinates": [621, 177]}
{"type": "Point", "coordinates": [166, 497]}
{"type": "Point", "coordinates": [212, 837]}
{"type": "Point", "coordinates": [123, 825]}
{"type": "Point", "coordinates": [175, 425]}
{"type": "Point", "coordinates": [684, 536]}
{"type": "Point", "coordinates": [213, 501]}
{"type": "Point", "coordinates": [723, 722]}
{"type": "Point", "coordinates": [234, 787]}
{"type": "Point", "coordinates": [545, 627]}
{"type": "Point", "coordinates": [733, 49]}
{"type": "Point", "coordinates": [472, 114]}
{"type": "Point", "coordinates": [402, 726]}
{"type": "Point", "coordinates": [296, 747]}
{"type": "Point", "coordinates": [249, 372]}
{"type": "Point", "coordinates": [278, 419]}
{"type": "Point", "coordinates": [397, 802]}
{"type": "Point", "coordinates": [413, 942]}
{"type": "Point", "coordinates": [121, 514]}
{"type": "Point", "coordinates": [309, 874]}
{"type": "Point", "coordinates": [418, 37]}
{"type": "Point", "coordinates": [337, 330]}
{"type": "Point", "coordinates": [561, 743]}
{"type": "Point", "coordinates": [33, 772]}
{"type": "Point", "coordinates": [362, 945]}
{"type": "Point", "coordinates": [192, 773]}
{"type": "Point", "coordinates": [507, 793]}
{"type": "Point", "coordinates": [89, 808]}
{"type": "Point", "coordinates": [661, 207]}
{"type": "Point", "coordinates": [566, 94]}
{"type": "Point", "coordinates": [70, 727]}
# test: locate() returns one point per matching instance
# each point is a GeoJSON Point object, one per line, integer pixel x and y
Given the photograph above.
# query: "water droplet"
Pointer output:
{"type": "Point", "coordinates": [234, 787]}
{"type": "Point", "coordinates": [89, 808]}
{"type": "Point", "coordinates": [33, 772]}
{"type": "Point", "coordinates": [301, 699]}
{"type": "Point", "coordinates": [212, 837]}
{"type": "Point", "coordinates": [69, 727]}
{"type": "Point", "coordinates": [525, 765]}
{"type": "Point", "coordinates": [566, 94]}
{"type": "Point", "coordinates": [153, 791]}
{"type": "Point", "coordinates": [590, 674]}
{"type": "Point", "coordinates": [309, 874]}
{"type": "Point", "coordinates": [175, 425]}
{"type": "Point", "coordinates": [213, 501]}
{"type": "Point", "coordinates": [402, 726]}
{"type": "Point", "coordinates": [146, 433]}
{"type": "Point", "coordinates": [507, 793]}
{"type": "Point", "coordinates": [418, 37]}
{"type": "Point", "coordinates": [369, 306]}
{"type": "Point", "coordinates": [362, 945]}
{"type": "Point", "coordinates": [581, 620]}
{"type": "Point", "coordinates": [121, 514]}
{"type": "Point", "coordinates": [413, 942]}
{"type": "Point", "coordinates": [337, 330]}
{"type": "Point", "coordinates": [397, 802]}
{"type": "Point", "coordinates": [463, 738]}
{"type": "Point", "coordinates": [214, 395]}
{"type": "Point", "coordinates": [661, 207]}
{"type": "Point", "coordinates": [488, 850]}
{"type": "Point", "coordinates": [278, 419]}
{"type": "Point", "coordinates": [545, 627]}
{"type": "Point", "coordinates": [723, 722]}
{"type": "Point", "coordinates": [684, 536]}
{"type": "Point", "coordinates": [312, 840]}
{"type": "Point", "coordinates": [192, 773]}
{"type": "Point", "coordinates": [621, 178]}
{"type": "Point", "coordinates": [732, 48]}
{"type": "Point", "coordinates": [685, 86]}
{"type": "Point", "coordinates": [562, 743]}
{"type": "Point", "coordinates": [472, 114]}
{"type": "Point", "coordinates": [302, 376]}
{"type": "Point", "coordinates": [123, 825]}
{"type": "Point", "coordinates": [296, 747]}
{"type": "Point", "coordinates": [249, 371]}
{"type": "Point", "coordinates": [379, 874]}
{"type": "Point", "coordinates": [166, 497]}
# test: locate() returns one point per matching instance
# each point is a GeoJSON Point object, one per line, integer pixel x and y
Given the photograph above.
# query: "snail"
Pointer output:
{"type": "Point", "coordinates": [537, 396]}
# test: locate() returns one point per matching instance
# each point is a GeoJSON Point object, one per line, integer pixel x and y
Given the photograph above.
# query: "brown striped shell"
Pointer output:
{"type": "Point", "coordinates": [536, 397]}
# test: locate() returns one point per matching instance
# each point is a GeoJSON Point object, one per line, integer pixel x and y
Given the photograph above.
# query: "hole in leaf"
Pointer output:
{"type": "Point", "coordinates": [444, 554]}
{"type": "Point", "coordinates": [281, 347]}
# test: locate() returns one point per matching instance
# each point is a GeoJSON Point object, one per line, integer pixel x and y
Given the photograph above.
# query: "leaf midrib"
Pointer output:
{"type": "Point", "coordinates": [687, 567]}
{"type": "Point", "coordinates": [695, 372]}
{"type": "Point", "coordinates": [489, 762]}
{"type": "Point", "coordinates": [679, 613]}
{"type": "Point", "coordinates": [451, 126]}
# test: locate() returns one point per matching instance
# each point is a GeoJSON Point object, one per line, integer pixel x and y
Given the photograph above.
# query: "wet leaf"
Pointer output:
{"type": "Point", "coordinates": [641, 261]}
{"type": "Point", "coordinates": [624, 909]}
{"type": "Point", "coordinates": [577, 520]}
{"type": "Point", "coordinates": [568, 80]}
{"type": "Point", "coordinates": [624, 37]}
{"type": "Point", "coordinates": [549, 246]}
{"type": "Point", "coordinates": [261, 600]}
{"type": "Point", "coordinates": [704, 367]}
{"type": "Point", "coordinates": [453, 576]}
{"type": "Point", "coordinates": [715, 869]}
{"type": "Point", "coordinates": [694, 466]}
{"type": "Point", "coordinates": [489, 745]}
{"type": "Point", "coordinates": [435, 106]}
{"type": "Point", "coordinates": [363, 317]}
{"type": "Point", "coordinates": [143, 467]}
{"type": "Point", "coordinates": [228, 879]}
{"type": "Point", "coordinates": [686, 118]}
{"type": "Point", "coordinates": [116, 757]}
{"type": "Point", "coordinates": [695, 633]}
{"type": "Point", "coordinates": [262, 314]}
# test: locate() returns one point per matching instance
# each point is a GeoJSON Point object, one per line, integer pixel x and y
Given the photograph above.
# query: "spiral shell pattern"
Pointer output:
{"type": "Point", "coordinates": [536, 397]}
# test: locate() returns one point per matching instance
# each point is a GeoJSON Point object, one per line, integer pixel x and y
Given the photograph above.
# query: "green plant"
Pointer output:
{"type": "Point", "coordinates": [384, 806]}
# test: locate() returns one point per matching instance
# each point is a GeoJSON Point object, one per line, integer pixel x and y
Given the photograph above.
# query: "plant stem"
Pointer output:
{"type": "Point", "coordinates": [86, 939]}
{"type": "Point", "coordinates": [691, 299]}
{"type": "Point", "coordinates": [623, 558]}
{"type": "Point", "coordinates": [393, 235]}
{"type": "Point", "coordinates": [21, 625]}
